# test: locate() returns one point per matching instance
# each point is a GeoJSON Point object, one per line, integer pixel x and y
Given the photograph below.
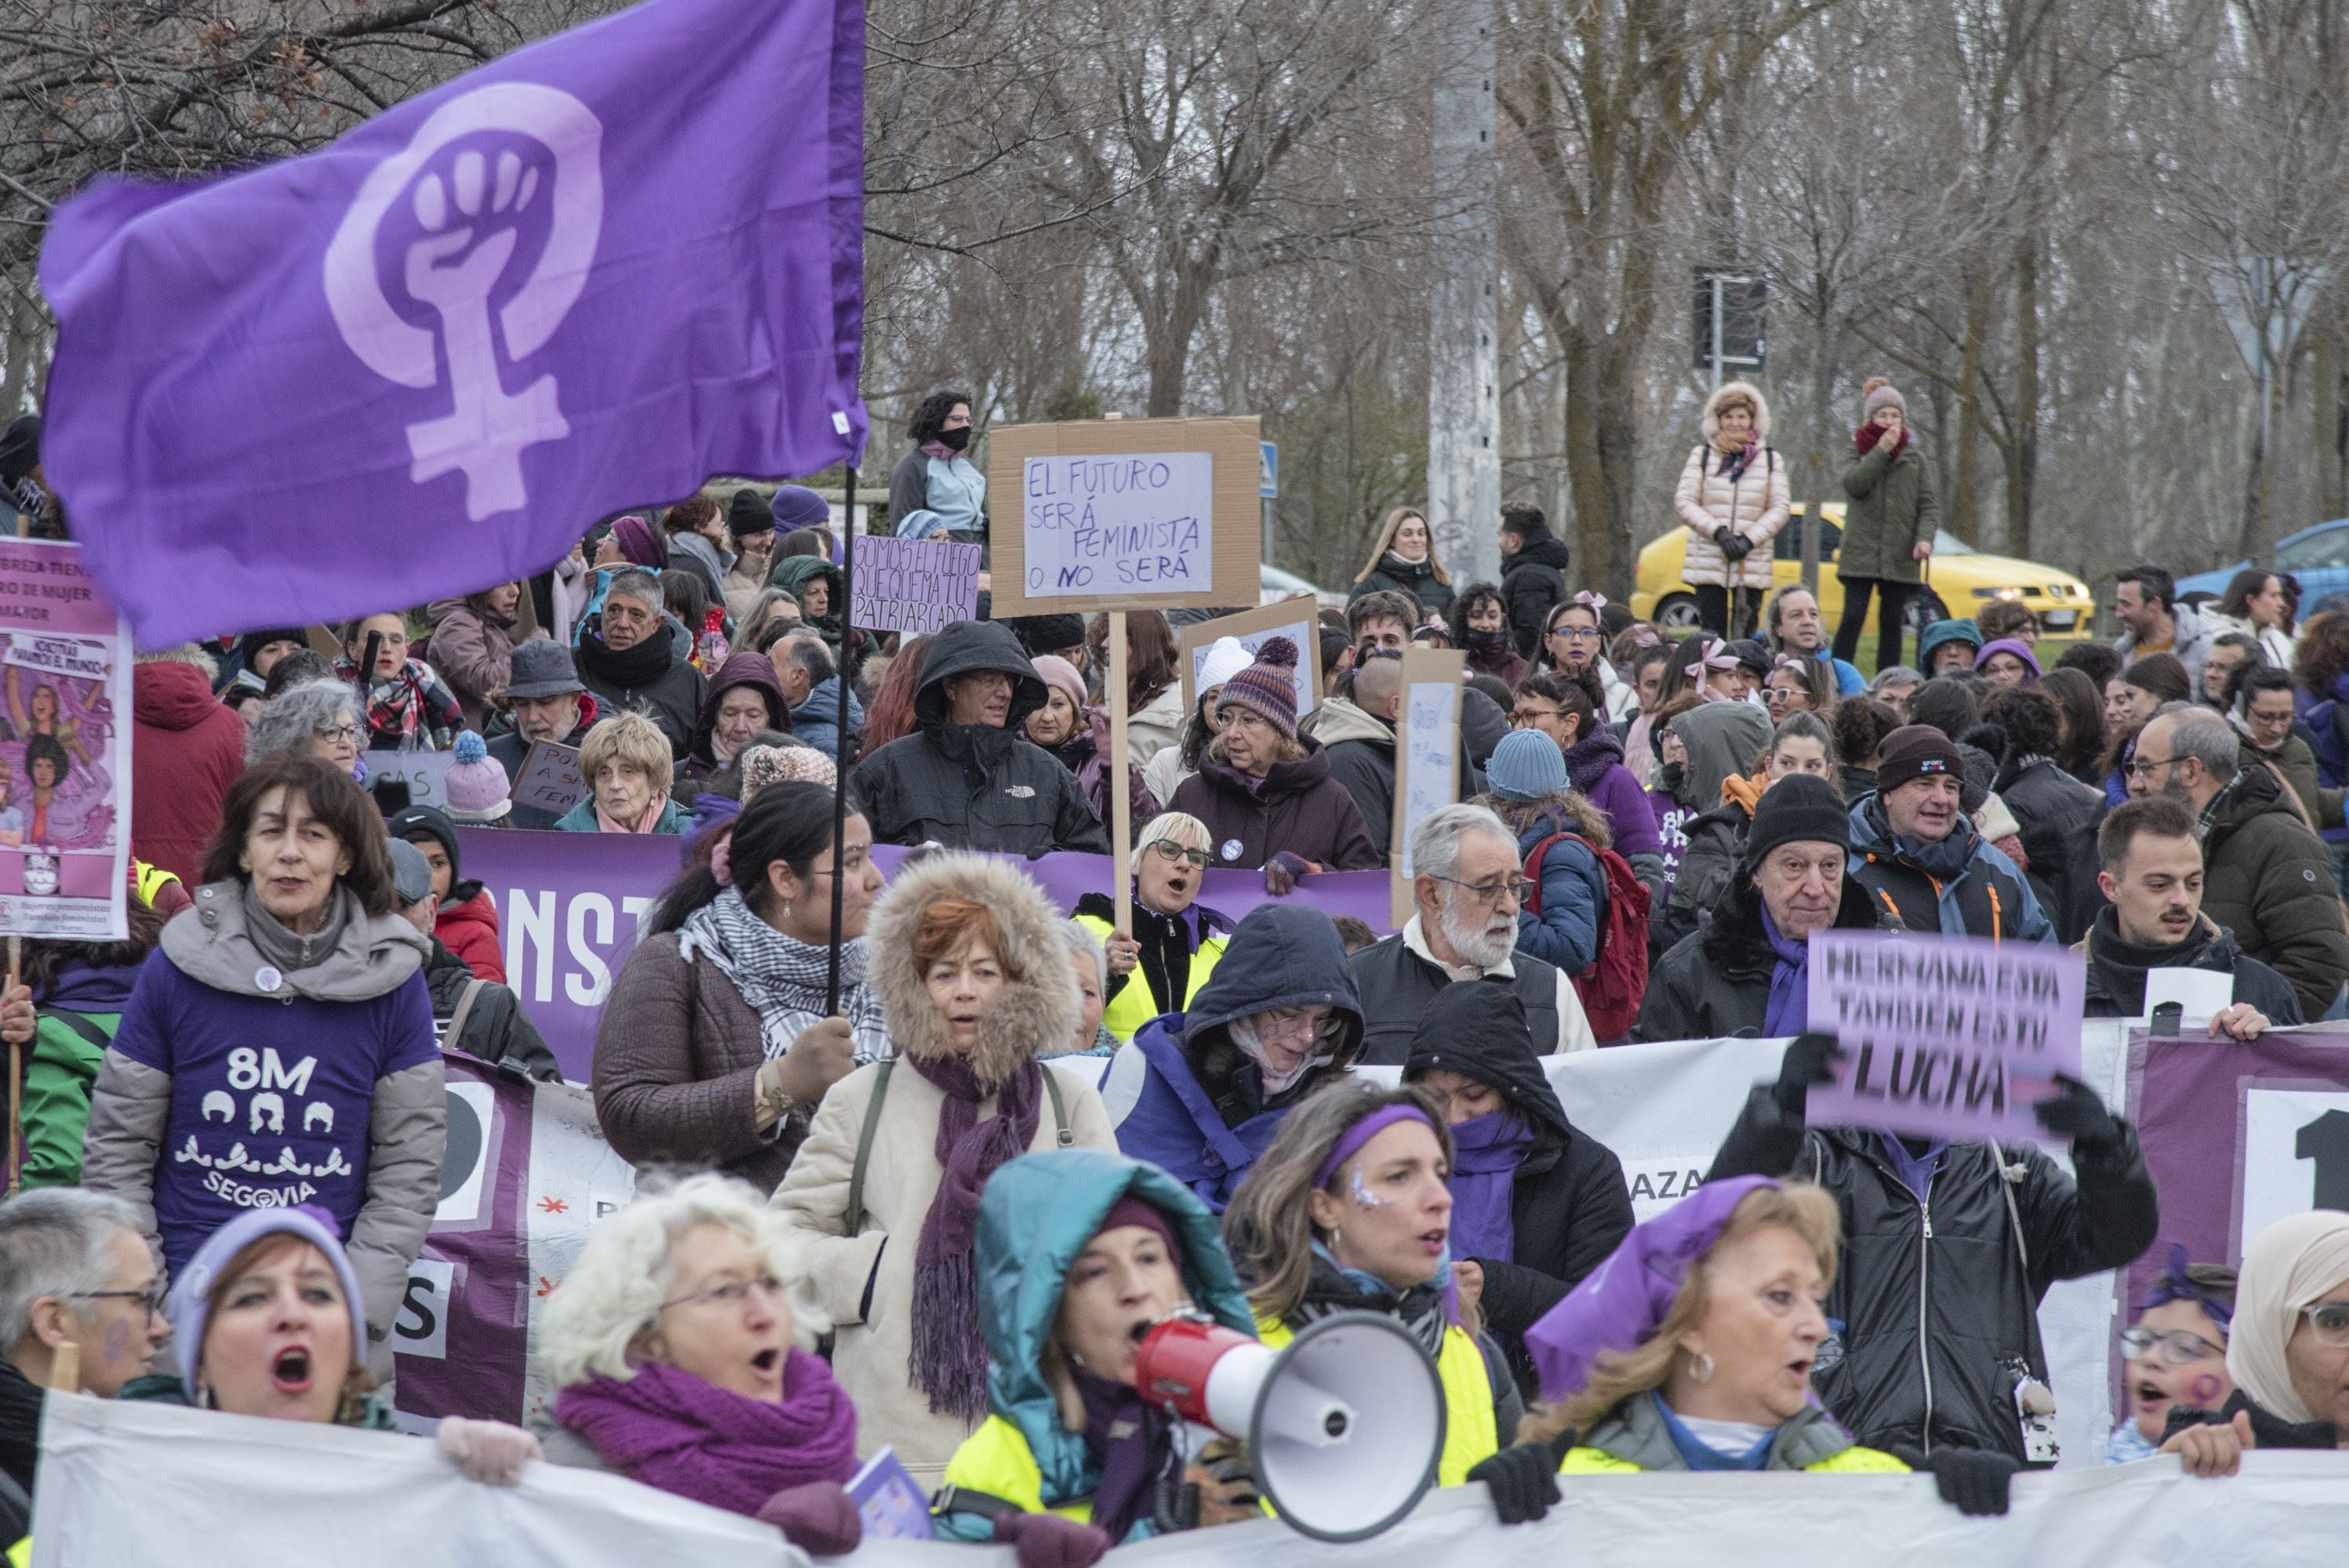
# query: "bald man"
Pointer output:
{"type": "Point", "coordinates": [1357, 733]}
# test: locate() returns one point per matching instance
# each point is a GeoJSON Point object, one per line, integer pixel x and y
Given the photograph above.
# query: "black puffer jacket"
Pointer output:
{"type": "Point", "coordinates": [2058, 816]}
{"type": "Point", "coordinates": [1568, 1206]}
{"type": "Point", "coordinates": [973, 786]}
{"type": "Point", "coordinates": [2116, 971]}
{"type": "Point", "coordinates": [1955, 1264]}
{"type": "Point", "coordinates": [1716, 985]}
{"type": "Point", "coordinates": [1533, 582]}
{"type": "Point", "coordinates": [496, 1030]}
{"type": "Point", "coordinates": [1395, 574]}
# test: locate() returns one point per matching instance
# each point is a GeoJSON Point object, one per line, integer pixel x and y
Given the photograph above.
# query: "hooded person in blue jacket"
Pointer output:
{"type": "Point", "coordinates": [1201, 1093]}
{"type": "Point", "coordinates": [1078, 1252]}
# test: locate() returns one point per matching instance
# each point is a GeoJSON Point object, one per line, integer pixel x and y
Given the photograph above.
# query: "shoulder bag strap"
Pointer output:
{"type": "Point", "coordinates": [464, 1010]}
{"type": "Point", "coordinates": [80, 1024]}
{"type": "Point", "coordinates": [1059, 1107]}
{"type": "Point", "coordinates": [854, 1214]}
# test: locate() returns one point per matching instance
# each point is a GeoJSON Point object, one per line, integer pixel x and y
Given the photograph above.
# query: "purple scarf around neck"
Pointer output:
{"type": "Point", "coordinates": [1486, 1153]}
{"type": "Point", "coordinates": [1134, 1441]}
{"type": "Point", "coordinates": [672, 1430]}
{"type": "Point", "coordinates": [950, 1361]}
{"type": "Point", "coordinates": [1790, 984]}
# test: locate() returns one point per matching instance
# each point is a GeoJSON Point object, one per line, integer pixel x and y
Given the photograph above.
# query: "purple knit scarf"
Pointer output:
{"type": "Point", "coordinates": [1486, 1153]}
{"type": "Point", "coordinates": [672, 1430]}
{"type": "Point", "coordinates": [1787, 1012]}
{"type": "Point", "coordinates": [1588, 759]}
{"type": "Point", "coordinates": [949, 1354]}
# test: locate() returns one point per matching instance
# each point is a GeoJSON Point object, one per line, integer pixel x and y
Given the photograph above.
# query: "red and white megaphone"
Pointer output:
{"type": "Point", "coordinates": [1344, 1424]}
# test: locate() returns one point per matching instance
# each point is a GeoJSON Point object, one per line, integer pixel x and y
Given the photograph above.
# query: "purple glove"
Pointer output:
{"type": "Point", "coordinates": [1281, 871]}
{"type": "Point", "coordinates": [1049, 1541]}
{"type": "Point", "coordinates": [820, 1518]}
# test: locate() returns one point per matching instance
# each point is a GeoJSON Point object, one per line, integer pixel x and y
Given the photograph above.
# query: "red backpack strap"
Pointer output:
{"type": "Point", "coordinates": [1533, 868]}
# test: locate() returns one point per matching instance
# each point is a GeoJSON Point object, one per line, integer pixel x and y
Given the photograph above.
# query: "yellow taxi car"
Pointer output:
{"type": "Point", "coordinates": [1958, 579]}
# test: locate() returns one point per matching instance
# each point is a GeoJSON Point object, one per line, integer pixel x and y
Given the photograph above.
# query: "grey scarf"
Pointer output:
{"type": "Point", "coordinates": [292, 950]}
{"type": "Point", "coordinates": [783, 978]}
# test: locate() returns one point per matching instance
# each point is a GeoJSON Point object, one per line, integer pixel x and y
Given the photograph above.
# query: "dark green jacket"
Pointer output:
{"type": "Point", "coordinates": [1890, 508]}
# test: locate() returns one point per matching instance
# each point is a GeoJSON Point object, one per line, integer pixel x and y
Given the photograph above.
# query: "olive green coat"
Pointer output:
{"type": "Point", "coordinates": [1889, 507]}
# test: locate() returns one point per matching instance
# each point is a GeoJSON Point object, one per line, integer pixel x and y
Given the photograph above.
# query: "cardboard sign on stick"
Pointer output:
{"type": "Point", "coordinates": [1427, 755]}
{"type": "Point", "coordinates": [1124, 514]}
{"type": "Point", "coordinates": [1296, 619]}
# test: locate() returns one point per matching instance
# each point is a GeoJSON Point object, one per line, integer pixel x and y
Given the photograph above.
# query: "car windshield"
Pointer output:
{"type": "Point", "coordinates": [1948, 544]}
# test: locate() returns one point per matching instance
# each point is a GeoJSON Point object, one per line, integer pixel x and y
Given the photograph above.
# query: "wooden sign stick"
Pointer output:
{"type": "Point", "coordinates": [16, 1079]}
{"type": "Point", "coordinates": [1120, 802]}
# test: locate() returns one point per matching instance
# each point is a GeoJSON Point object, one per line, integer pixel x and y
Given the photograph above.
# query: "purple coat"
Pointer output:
{"type": "Point", "coordinates": [1595, 764]}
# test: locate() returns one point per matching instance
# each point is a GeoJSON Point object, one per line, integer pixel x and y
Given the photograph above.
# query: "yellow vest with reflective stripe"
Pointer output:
{"type": "Point", "coordinates": [1134, 1006]}
{"type": "Point", "coordinates": [1853, 1460]}
{"type": "Point", "coordinates": [996, 1460]}
{"type": "Point", "coordinates": [1470, 1436]}
{"type": "Point", "coordinates": [150, 881]}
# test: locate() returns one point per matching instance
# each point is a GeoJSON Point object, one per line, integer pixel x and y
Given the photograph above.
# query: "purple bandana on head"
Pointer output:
{"type": "Point", "coordinates": [1619, 1306]}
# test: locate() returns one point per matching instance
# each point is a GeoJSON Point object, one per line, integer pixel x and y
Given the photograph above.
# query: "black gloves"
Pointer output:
{"type": "Point", "coordinates": [1524, 1480]}
{"type": "Point", "coordinates": [1809, 1059]}
{"type": "Point", "coordinates": [1734, 546]}
{"type": "Point", "coordinates": [1972, 1480]}
{"type": "Point", "coordinates": [2076, 1111]}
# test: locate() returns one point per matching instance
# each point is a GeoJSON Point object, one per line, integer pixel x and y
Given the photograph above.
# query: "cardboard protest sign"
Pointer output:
{"type": "Point", "coordinates": [550, 780]}
{"type": "Point", "coordinates": [65, 747]}
{"type": "Point", "coordinates": [1427, 757]}
{"type": "Point", "coordinates": [1124, 514]}
{"type": "Point", "coordinates": [1296, 619]}
{"type": "Point", "coordinates": [914, 585]}
{"type": "Point", "coordinates": [1953, 1036]}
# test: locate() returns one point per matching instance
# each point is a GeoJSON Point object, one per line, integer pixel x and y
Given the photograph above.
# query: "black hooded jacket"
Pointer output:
{"type": "Point", "coordinates": [1570, 1206]}
{"type": "Point", "coordinates": [1533, 582]}
{"type": "Point", "coordinates": [1715, 984]}
{"type": "Point", "coordinates": [1971, 1264]}
{"type": "Point", "coordinates": [496, 1030]}
{"type": "Point", "coordinates": [975, 787]}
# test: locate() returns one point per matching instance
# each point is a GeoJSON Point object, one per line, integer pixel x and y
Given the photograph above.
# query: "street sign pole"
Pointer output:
{"type": "Point", "coordinates": [1267, 486]}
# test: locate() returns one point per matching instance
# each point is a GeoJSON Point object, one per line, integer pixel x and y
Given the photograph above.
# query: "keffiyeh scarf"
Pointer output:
{"type": "Point", "coordinates": [783, 978]}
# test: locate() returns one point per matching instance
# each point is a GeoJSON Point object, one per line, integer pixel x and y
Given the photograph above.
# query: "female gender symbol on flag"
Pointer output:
{"type": "Point", "coordinates": [473, 178]}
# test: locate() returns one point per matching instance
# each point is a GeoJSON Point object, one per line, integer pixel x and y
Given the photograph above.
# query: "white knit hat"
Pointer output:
{"type": "Point", "coordinates": [1225, 658]}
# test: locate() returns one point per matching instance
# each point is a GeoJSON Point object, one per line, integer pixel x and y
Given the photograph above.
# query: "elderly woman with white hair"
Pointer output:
{"type": "Point", "coordinates": [1159, 964]}
{"type": "Point", "coordinates": [1091, 962]}
{"type": "Point", "coordinates": [319, 719]}
{"type": "Point", "coordinates": [681, 1347]}
{"type": "Point", "coordinates": [2287, 1350]}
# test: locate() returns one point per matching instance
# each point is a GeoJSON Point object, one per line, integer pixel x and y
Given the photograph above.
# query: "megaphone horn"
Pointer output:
{"type": "Point", "coordinates": [1344, 1425]}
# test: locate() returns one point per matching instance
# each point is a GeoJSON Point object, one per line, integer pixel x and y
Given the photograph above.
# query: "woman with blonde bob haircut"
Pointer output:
{"type": "Point", "coordinates": [1402, 560]}
{"type": "Point", "coordinates": [1691, 1348]}
{"type": "Point", "coordinates": [1174, 945]}
{"type": "Point", "coordinates": [681, 1347]}
{"type": "Point", "coordinates": [625, 762]}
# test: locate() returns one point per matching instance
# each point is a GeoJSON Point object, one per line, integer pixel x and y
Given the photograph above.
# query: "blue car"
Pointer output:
{"type": "Point", "coordinates": [2318, 556]}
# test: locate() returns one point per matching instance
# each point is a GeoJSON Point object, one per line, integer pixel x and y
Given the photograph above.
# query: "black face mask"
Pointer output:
{"type": "Point", "coordinates": [1484, 641]}
{"type": "Point", "coordinates": [955, 440]}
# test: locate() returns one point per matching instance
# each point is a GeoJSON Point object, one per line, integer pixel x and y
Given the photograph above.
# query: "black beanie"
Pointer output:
{"type": "Point", "coordinates": [1801, 808]}
{"type": "Point", "coordinates": [1914, 751]}
{"type": "Point", "coordinates": [1047, 634]}
{"type": "Point", "coordinates": [748, 512]}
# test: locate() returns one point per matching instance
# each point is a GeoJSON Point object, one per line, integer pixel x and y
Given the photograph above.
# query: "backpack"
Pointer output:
{"type": "Point", "coordinates": [1611, 985]}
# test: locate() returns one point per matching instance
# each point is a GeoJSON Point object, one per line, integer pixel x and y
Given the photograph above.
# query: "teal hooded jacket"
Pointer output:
{"type": "Point", "coordinates": [1037, 1214]}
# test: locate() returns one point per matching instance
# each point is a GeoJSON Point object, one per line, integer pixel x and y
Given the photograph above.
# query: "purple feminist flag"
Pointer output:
{"type": "Point", "coordinates": [424, 359]}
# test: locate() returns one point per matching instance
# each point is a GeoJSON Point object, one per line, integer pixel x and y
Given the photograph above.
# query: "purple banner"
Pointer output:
{"type": "Point", "coordinates": [551, 288]}
{"type": "Point", "coordinates": [1944, 1036]}
{"type": "Point", "coordinates": [459, 1343]}
{"type": "Point", "coordinates": [569, 904]}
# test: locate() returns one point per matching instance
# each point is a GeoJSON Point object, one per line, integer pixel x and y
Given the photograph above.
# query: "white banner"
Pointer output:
{"type": "Point", "coordinates": [139, 1483]}
{"type": "Point", "coordinates": [125, 1484]}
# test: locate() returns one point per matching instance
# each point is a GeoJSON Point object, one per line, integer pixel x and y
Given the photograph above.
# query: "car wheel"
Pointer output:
{"type": "Point", "coordinates": [1923, 609]}
{"type": "Point", "coordinates": [1677, 612]}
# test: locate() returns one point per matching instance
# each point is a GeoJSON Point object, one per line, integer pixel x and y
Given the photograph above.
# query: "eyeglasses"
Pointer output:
{"type": "Point", "coordinates": [2140, 766]}
{"type": "Point", "coordinates": [1301, 1022]}
{"type": "Point", "coordinates": [1490, 893]}
{"type": "Point", "coordinates": [2328, 1321]}
{"type": "Point", "coordinates": [2179, 1347]}
{"type": "Point", "coordinates": [1530, 717]}
{"type": "Point", "coordinates": [733, 1293]}
{"type": "Point", "coordinates": [338, 732]}
{"type": "Point", "coordinates": [152, 1298]}
{"type": "Point", "coordinates": [1577, 634]}
{"type": "Point", "coordinates": [1168, 849]}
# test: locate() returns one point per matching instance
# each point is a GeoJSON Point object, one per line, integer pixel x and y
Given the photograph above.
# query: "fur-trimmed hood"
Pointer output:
{"type": "Point", "coordinates": [1728, 389]}
{"type": "Point", "coordinates": [1037, 1011]}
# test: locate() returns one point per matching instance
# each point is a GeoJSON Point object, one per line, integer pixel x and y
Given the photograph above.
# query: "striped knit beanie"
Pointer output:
{"type": "Point", "coordinates": [1268, 686]}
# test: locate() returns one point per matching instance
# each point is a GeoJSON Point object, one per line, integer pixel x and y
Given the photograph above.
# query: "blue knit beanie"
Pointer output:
{"type": "Point", "coordinates": [1527, 766]}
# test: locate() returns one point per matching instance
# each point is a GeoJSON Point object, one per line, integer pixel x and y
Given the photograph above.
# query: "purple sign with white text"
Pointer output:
{"type": "Point", "coordinates": [1943, 1037]}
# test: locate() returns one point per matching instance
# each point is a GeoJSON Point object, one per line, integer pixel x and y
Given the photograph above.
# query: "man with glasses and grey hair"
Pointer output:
{"type": "Point", "coordinates": [1467, 885]}
{"type": "Point", "coordinates": [2266, 877]}
{"type": "Point", "coordinates": [73, 1269]}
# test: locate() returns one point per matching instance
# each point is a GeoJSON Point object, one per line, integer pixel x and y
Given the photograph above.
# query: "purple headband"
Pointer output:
{"type": "Point", "coordinates": [2174, 1286]}
{"type": "Point", "coordinates": [1350, 1143]}
{"type": "Point", "coordinates": [1620, 1303]}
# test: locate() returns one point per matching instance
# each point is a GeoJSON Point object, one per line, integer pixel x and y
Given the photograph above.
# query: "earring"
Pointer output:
{"type": "Point", "coordinates": [1701, 1366]}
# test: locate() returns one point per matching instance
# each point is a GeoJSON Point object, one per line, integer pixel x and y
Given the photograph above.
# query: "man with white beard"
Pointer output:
{"type": "Point", "coordinates": [1469, 885]}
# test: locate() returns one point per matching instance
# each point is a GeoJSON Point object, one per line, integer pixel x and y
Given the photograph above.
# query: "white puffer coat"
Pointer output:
{"type": "Point", "coordinates": [1754, 505]}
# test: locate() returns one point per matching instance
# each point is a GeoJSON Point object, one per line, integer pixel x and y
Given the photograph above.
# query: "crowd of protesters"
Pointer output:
{"type": "Point", "coordinates": [925, 1179]}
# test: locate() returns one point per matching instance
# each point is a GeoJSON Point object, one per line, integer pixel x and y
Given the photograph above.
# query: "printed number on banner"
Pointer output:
{"type": "Point", "coordinates": [2296, 1154]}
